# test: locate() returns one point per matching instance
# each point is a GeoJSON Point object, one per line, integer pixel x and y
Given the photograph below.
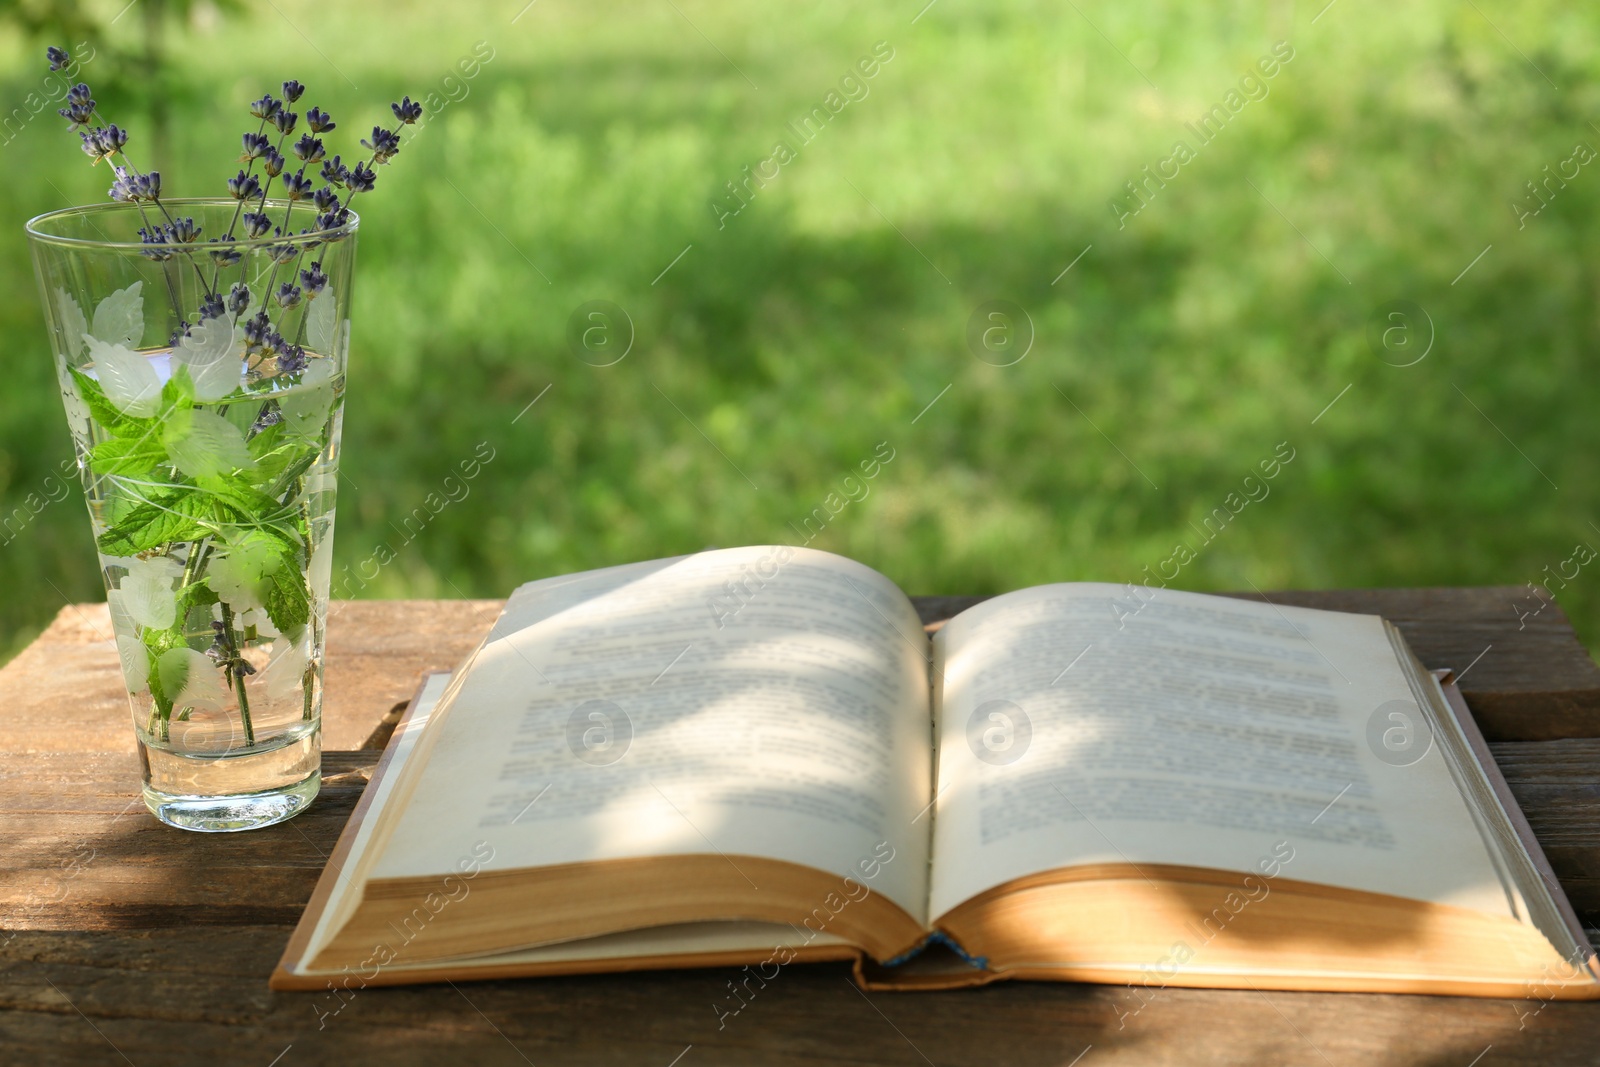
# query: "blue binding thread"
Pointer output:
{"type": "Point", "coordinates": [980, 962]}
{"type": "Point", "coordinates": [939, 937]}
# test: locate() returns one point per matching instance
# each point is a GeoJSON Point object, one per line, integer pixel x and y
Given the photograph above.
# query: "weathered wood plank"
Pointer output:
{"type": "Point", "coordinates": [192, 996]}
{"type": "Point", "coordinates": [122, 938]}
{"type": "Point", "coordinates": [78, 851]}
{"type": "Point", "coordinates": [64, 693]}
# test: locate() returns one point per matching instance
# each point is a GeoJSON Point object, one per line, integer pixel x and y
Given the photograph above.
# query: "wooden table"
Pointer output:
{"type": "Point", "coordinates": [128, 942]}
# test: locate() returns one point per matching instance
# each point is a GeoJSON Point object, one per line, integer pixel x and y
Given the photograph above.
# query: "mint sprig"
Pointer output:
{"type": "Point", "coordinates": [249, 512]}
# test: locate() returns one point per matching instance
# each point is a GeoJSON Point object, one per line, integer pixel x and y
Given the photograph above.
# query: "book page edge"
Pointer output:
{"type": "Point", "coordinates": [296, 951]}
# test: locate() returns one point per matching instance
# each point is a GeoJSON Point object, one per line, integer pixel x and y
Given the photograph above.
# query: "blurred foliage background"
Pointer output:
{"type": "Point", "coordinates": [584, 155]}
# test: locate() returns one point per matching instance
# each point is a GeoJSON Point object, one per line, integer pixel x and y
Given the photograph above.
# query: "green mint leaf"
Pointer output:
{"type": "Point", "coordinates": [251, 504]}
{"type": "Point", "coordinates": [289, 539]}
{"type": "Point", "coordinates": [128, 379]}
{"type": "Point", "coordinates": [119, 318]}
{"type": "Point", "coordinates": [73, 324]}
{"type": "Point", "coordinates": [266, 442]}
{"type": "Point", "coordinates": [306, 409]}
{"type": "Point", "coordinates": [158, 642]}
{"type": "Point", "coordinates": [194, 595]}
{"type": "Point", "coordinates": [130, 457]}
{"type": "Point", "coordinates": [255, 551]}
{"type": "Point", "coordinates": [322, 323]}
{"type": "Point", "coordinates": [104, 412]}
{"type": "Point", "coordinates": [287, 602]}
{"type": "Point", "coordinates": [120, 506]}
{"type": "Point", "coordinates": [178, 393]}
{"type": "Point", "coordinates": [278, 470]}
{"type": "Point", "coordinates": [186, 517]}
{"type": "Point", "coordinates": [123, 537]}
{"type": "Point", "coordinates": [212, 358]}
{"type": "Point", "coordinates": [202, 444]}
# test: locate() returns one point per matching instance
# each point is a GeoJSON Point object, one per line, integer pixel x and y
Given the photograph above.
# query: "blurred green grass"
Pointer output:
{"type": "Point", "coordinates": [775, 355]}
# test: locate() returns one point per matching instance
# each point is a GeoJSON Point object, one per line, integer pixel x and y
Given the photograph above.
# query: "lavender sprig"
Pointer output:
{"type": "Point", "coordinates": [332, 212]}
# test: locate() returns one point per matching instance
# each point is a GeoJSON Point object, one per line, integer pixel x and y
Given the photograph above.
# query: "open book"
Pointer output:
{"type": "Point", "coordinates": [756, 756]}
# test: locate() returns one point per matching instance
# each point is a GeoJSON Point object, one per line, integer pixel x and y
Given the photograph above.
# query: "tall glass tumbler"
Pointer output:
{"type": "Point", "coordinates": [203, 381]}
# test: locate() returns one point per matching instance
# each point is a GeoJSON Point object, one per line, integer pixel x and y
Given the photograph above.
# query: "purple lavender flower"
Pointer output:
{"type": "Point", "coordinates": [179, 334]}
{"type": "Point", "coordinates": [362, 179]}
{"type": "Point", "coordinates": [224, 257]}
{"type": "Point", "coordinates": [335, 172]}
{"type": "Point", "coordinates": [308, 149]}
{"type": "Point", "coordinates": [243, 186]}
{"type": "Point", "coordinates": [225, 654]}
{"type": "Point", "coordinates": [122, 188]}
{"type": "Point", "coordinates": [211, 307]}
{"type": "Point", "coordinates": [219, 651]}
{"type": "Point", "coordinates": [384, 144]}
{"type": "Point", "coordinates": [93, 145]}
{"type": "Point", "coordinates": [268, 417]}
{"type": "Point", "coordinates": [333, 220]}
{"type": "Point", "coordinates": [103, 142]}
{"type": "Point", "coordinates": [80, 106]}
{"type": "Point", "coordinates": [153, 238]}
{"type": "Point", "coordinates": [292, 360]}
{"type": "Point", "coordinates": [282, 253]}
{"type": "Point", "coordinates": [183, 231]}
{"type": "Point", "coordinates": [288, 295]}
{"type": "Point", "coordinates": [238, 299]}
{"type": "Point", "coordinates": [406, 111]}
{"type": "Point", "coordinates": [255, 145]}
{"type": "Point", "coordinates": [296, 186]}
{"type": "Point", "coordinates": [256, 223]}
{"type": "Point", "coordinates": [313, 280]}
{"type": "Point", "coordinates": [256, 332]}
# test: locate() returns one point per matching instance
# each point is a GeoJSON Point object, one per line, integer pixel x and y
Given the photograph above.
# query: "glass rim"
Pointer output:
{"type": "Point", "coordinates": [35, 232]}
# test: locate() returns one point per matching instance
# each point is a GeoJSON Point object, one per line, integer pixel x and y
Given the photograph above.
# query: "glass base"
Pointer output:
{"type": "Point", "coordinates": [225, 814]}
{"type": "Point", "coordinates": [233, 789]}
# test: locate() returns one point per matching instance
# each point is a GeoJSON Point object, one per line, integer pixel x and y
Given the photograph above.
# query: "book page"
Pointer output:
{"type": "Point", "coordinates": [767, 701]}
{"type": "Point", "coordinates": [1083, 724]}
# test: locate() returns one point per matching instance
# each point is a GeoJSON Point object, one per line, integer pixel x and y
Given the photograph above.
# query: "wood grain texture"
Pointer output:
{"type": "Point", "coordinates": [189, 996]}
{"type": "Point", "coordinates": [122, 941]}
{"type": "Point", "coordinates": [64, 693]}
